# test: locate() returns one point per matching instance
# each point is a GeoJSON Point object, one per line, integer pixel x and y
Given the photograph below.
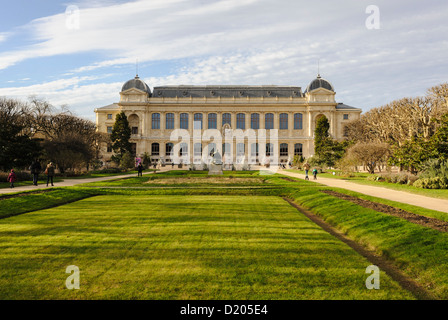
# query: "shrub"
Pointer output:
{"type": "Point", "coordinates": [433, 168]}
{"type": "Point", "coordinates": [432, 183]}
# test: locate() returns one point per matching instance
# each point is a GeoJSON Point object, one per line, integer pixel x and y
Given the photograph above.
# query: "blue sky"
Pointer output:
{"type": "Point", "coordinates": [248, 42]}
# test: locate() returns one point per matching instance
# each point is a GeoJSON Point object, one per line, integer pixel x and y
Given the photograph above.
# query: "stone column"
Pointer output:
{"type": "Point", "coordinates": [219, 121]}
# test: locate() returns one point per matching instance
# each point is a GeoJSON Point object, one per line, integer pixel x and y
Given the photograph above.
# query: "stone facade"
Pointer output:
{"type": "Point", "coordinates": [154, 115]}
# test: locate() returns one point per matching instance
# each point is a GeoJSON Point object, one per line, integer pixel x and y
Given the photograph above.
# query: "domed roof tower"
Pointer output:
{"type": "Point", "coordinates": [136, 83]}
{"type": "Point", "coordinates": [319, 83]}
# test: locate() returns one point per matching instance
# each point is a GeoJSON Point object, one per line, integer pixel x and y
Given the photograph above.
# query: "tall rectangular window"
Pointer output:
{"type": "Point", "coordinates": [197, 121]}
{"type": "Point", "coordinates": [255, 121]}
{"type": "Point", "coordinates": [298, 121]}
{"type": "Point", "coordinates": [169, 121]}
{"type": "Point", "coordinates": [241, 121]}
{"type": "Point", "coordinates": [345, 116]}
{"type": "Point", "coordinates": [109, 129]}
{"type": "Point", "coordinates": [212, 121]}
{"type": "Point", "coordinates": [184, 121]}
{"type": "Point", "coordinates": [227, 118]}
{"type": "Point", "coordinates": [283, 125]}
{"type": "Point", "coordinates": [109, 116]}
{"type": "Point", "coordinates": [134, 130]}
{"type": "Point", "coordinates": [269, 121]}
{"type": "Point", "coordinates": [156, 121]}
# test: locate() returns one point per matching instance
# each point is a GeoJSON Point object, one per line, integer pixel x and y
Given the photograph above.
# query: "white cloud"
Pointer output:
{"type": "Point", "coordinates": [245, 42]}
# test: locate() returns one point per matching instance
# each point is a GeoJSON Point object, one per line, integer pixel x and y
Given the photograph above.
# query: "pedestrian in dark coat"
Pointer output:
{"type": "Point", "coordinates": [49, 171]}
{"type": "Point", "coordinates": [12, 178]}
{"type": "Point", "coordinates": [139, 169]}
{"type": "Point", "coordinates": [35, 169]}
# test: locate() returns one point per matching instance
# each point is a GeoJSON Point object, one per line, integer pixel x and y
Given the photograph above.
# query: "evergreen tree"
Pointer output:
{"type": "Point", "coordinates": [326, 150]}
{"type": "Point", "coordinates": [121, 133]}
{"type": "Point", "coordinates": [321, 135]}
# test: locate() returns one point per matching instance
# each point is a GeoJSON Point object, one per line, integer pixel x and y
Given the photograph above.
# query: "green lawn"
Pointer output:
{"type": "Point", "coordinates": [137, 246]}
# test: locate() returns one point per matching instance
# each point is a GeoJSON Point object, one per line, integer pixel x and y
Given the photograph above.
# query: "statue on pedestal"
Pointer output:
{"type": "Point", "coordinates": [216, 163]}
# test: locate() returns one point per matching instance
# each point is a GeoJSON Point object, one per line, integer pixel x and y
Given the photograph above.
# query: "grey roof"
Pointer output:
{"type": "Point", "coordinates": [341, 106]}
{"type": "Point", "coordinates": [319, 83]}
{"type": "Point", "coordinates": [110, 106]}
{"type": "Point", "coordinates": [186, 91]}
{"type": "Point", "coordinates": [136, 83]}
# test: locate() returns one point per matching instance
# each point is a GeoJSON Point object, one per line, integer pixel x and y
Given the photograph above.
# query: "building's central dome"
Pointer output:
{"type": "Point", "coordinates": [137, 84]}
{"type": "Point", "coordinates": [319, 83]}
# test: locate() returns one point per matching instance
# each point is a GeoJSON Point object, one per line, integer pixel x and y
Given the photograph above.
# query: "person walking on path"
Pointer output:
{"type": "Point", "coordinates": [12, 178]}
{"type": "Point", "coordinates": [35, 169]}
{"type": "Point", "coordinates": [49, 171]}
{"type": "Point", "coordinates": [315, 173]}
{"type": "Point", "coordinates": [306, 166]}
{"type": "Point", "coordinates": [139, 169]}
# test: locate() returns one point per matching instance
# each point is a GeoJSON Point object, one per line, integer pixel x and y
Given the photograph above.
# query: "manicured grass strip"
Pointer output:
{"type": "Point", "coordinates": [32, 201]}
{"type": "Point", "coordinates": [180, 247]}
{"type": "Point", "coordinates": [418, 251]}
{"type": "Point", "coordinates": [407, 283]}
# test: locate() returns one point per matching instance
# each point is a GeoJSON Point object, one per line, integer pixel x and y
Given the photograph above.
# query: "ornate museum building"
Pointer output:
{"type": "Point", "coordinates": [154, 115]}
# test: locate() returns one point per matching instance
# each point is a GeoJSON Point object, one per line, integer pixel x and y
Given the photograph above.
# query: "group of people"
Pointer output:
{"type": "Point", "coordinates": [307, 167]}
{"type": "Point", "coordinates": [35, 170]}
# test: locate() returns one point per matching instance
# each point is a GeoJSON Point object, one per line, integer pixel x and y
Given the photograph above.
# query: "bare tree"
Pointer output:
{"type": "Point", "coordinates": [370, 154]}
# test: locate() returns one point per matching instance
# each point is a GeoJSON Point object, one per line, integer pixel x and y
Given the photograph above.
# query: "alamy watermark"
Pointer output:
{"type": "Point", "coordinates": [72, 281]}
{"type": "Point", "coordinates": [252, 147]}
{"type": "Point", "coordinates": [373, 281]}
{"type": "Point", "coordinates": [373, 20]}
{"type": "Point", "coordinates": [72, 17]}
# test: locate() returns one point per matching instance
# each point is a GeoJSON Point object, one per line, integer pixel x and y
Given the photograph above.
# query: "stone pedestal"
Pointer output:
{"type": "Point", "coordinates": [215, 169]}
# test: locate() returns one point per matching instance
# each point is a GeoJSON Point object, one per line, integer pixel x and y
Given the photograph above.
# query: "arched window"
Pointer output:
{"type": "Point", "coordinates": [254, 149]}
{"type": "Point", "coordinates": [269, 121]}
{"type": "Point", "coordinates": [184, 120]}
{"type": "Point", "coordinates": [169, 122]}
{"type": "Point", "coordinates": [269, 149]}
{"type": "Point", "coordinates": [183, 149]}
{"type": "Point", "coordinates": [283, 149]}
{"type": "Point", "coordinates": [168, 149]}
{"type": "Point", "coordinates": [212, 121]}
{"type": "Point", "coordinates": [241, 121]}
{"type": "Point", "coordinates": [197, 149]}
{"type": "Point", "coordinates": [240, 149]}
{"type": "Point", "coordinates": [155, 149]}
{"type": "Point", "coordinates": [255, 121]}
{"type": "Point", "coordinates": [198, 121]}
{"type": "Point", "coordinates": [226, 148]}
{"type": "Point", "coordinates": [133, 123]}
{"type": "Point", "coordinates": [283, 125]}
{"type": "Point", "coordinates": [298, 121]}
{"type": "Point", "coordinates": [227, 118]}
{"type": "Point", "coordinates": [298, 149]}
{"type": "Point", "coordinates": [211, 148]}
